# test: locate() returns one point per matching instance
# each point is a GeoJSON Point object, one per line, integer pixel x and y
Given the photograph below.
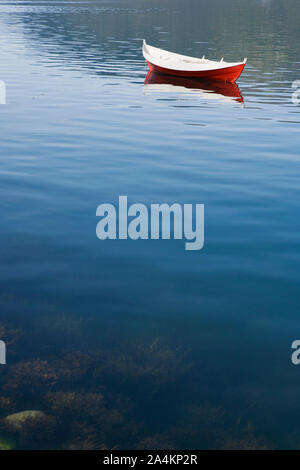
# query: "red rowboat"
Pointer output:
{"type": "Point", "coordinates": [169, 63]}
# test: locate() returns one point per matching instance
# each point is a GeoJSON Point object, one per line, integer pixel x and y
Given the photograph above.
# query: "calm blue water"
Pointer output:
{"type": "Point", "coordinates": [180, 345]}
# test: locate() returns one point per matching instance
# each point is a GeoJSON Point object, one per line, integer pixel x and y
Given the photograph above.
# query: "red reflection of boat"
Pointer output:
{"type": "Point", "coordinates": [166, 83]}
{"type": "Point", "coordinates": [169, 63]}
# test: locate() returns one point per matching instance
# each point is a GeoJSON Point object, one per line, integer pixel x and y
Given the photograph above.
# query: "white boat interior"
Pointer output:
{"type": "Point", "coordinates": [171, 60]}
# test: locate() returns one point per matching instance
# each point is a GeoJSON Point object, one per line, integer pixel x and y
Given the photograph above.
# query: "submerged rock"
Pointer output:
{"type": "Point", "coordinates": [32, 427]}
{"type": "Point", "coordinates": [19, 421]}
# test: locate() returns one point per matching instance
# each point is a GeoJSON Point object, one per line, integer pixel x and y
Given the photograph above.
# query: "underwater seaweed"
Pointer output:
{"type": "Point", "coordinates": [11, 336]}
{"type": "Point", "coordinates": [5, 403]}
{"type": "Point", "coordinates": [6, 444]}
{"type": "Point", "coordinates": [156, 442]}
{"type": "Point", "coordinates": [30, 377]}
{"type": "Point", "coordinates": [210, 427]}
{"type": "Point", "coordinates": [122, 394]}
{"type": "Point", "coordinates": [84, 416]}
{"type": "Point", "coordinates": [155, 361]}
{"type": "Point", "coordinates": [74, 368]}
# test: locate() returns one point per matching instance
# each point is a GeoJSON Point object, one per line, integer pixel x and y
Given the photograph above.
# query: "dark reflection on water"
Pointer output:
{"type": "Point", "coordinates": [158, 83]}
{"type": "Point", "coordinates": [142, 344]}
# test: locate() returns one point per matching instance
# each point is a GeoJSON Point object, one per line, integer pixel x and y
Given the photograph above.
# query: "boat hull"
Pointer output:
{"type": "Point", "coordinates": [226, 74]}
